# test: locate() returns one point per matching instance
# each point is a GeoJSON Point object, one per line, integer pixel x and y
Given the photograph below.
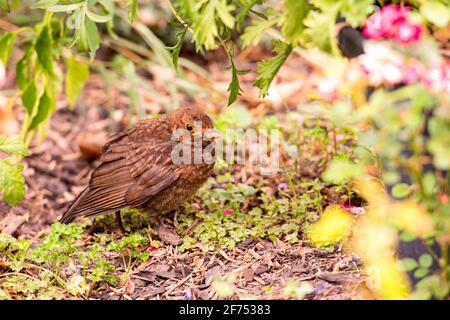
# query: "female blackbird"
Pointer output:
{"type": "Point", "coordinates": [137, 168]}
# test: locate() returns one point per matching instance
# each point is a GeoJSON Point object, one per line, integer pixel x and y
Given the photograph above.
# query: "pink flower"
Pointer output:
{"type": "Point", "coordinates": [407, 33]}
{"type": "Point", "coordinates": [150, 248]}
{"type": "Point", "coordinates": [328, 88]}
{"type": "Point", "coordinates": [381, 23]}
{"type": "Point", "coordinates": [375, 29]}
{"type": "Point", "coordinates": [392, 74]}
{"type": "Point", "coordinates": [412, 72]}
{"type": "Point", "coordinates": [393, 14]}
{"type": "Point", "coordinates": [437, 79]}
{"type": "Point", "coordinates": [385, 66]}
{"type": "Point", "coordinates": [282, 186]}
{"type": "Point", "coordinates": [381, 64]}
{"type": "Point", "coordinates": [353, 209]}
{"type": "Point", "coordinates": [392, 22]}
{"type": "Point", "coordinates": [228, 212]}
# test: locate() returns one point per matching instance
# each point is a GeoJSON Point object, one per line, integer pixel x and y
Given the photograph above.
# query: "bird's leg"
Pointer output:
{"type": "Point", "coordinates": [153, 220]}
{"type": "Point", "coordinates": [161, 222]}
{"type": "Point", "coordinates": [119, 221]}
{"type": "Point", "coordinates": [156, 220]}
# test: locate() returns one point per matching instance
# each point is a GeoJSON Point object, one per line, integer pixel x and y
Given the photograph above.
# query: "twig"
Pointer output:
{"type": "Point", "coordinates": [307, 278]}
{"type": "Point", "coordinates": [18, 274]}
{"type": "Point", "coordinates": [223, 254]}
{"type": "Point", "coordinates": [178, 17]}
{"type": "Point", "coordinates": [176, 285]}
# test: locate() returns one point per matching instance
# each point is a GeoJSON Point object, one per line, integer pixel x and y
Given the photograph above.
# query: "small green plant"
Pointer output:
{"type": "Point", "coordinates": [59, 245]}
{"type": "Point", "coordinates": [222, 221]}
{"type": "Point", "coordinates": [130, 248]}
{"type": "Point", "coordinates": [63, 263]}
{"type": "Point", "coordinates": [12, 183]}
{"type": "Point", "coordinates": [14, 250]}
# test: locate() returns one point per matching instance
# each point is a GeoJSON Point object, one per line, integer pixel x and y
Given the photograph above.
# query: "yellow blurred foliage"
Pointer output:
{"type": "Point", "coordinates": [372, 240]}
{"type": "Point", "coordinates": [333, 226]}
{"type": "Point", "coordinates": [376, 242]}
{"type": "Point", "coordinates": [371, 189]}
{"type": "Point", "coordinates": [374, 236]}
{"type": "Point", "coordinates": [387, 279]}
{"type": "Point", "coordinates": [410, 216]}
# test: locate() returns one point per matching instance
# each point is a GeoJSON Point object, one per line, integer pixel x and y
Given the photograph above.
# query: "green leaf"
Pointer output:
{"type": "Point", "coordinates": [243, 13]}
{"type": "Point", "coordinates": [206, 29]}
{"type": "Point", "coordinates": [429, 183]}
{"type": "Point", "coordinates": [323, 5]}
{"type": "Point", "coordinates": [318, 29]}
{"type": "Point", "coordinates": [175, 50]}
{"type": "Point", "coordinates": [4, 5]}
{"type": "Point", "coordinates": [408, 264]}
{"type": "Point", "coordinates": [341, 170]}
{"type": "Point", "coordinates": [133, 10]}
{"type": "Point", "coordinates": [66, 8]}
{"type": "Point", "coordinates": [421, 272]}
{"type": "Point", "coordinates": [93, 39]}
{"type": "Point", "coordinates": [46, 103]}
{"type": "Point", "coordinates": [44, 4]}
{"type": "Point", "coordinates": [82, 43]}
{"type": "Point", "coordinates": [186, 9]}
{"type": "Point", "coordinates": [436, 12]}
{"type": "Point", "coordinates": [6, 46]}
{"type": "Point", "coordinates": [355, 11]}
{"type": "Point", "coordinates": [401, 190]}
{"type": "Point", "coordinates": [268, 69]}
{"type": "Point", "coordinates": [294, 12]}
{"type": "Point", "coordinates": [223, 10]}
{"type": "Point", "coordinates": [97, 17]}
{"type": "Point", "coordinates": [13, 145]}
{"type": "Point", "coordinates": [12, 182]}
{"type": "Point", "coordinates": [29, 97]}
{"type": "Point", "coordinates": [234, 87]}
{"type": "Point", "coordinates": [425, 260]}
{"type": "Point", "coordinates": [439, 142]}
{"type": "Point", "coordinates": [44, 49]}
{"type": "Point", "coordinates": [76, 76]}
{"type": "Point", "coordinates": [108, 5]}
{"type": "Point", "coordinates": [23, 69]}
{"type": "Point", "coordinates": [407, 237]}
{"type": "Point", "coordinates": [253, 33]}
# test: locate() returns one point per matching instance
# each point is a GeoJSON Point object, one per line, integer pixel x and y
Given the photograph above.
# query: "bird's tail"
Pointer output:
{"type": "Point", "coordinates": [71, 213]}
{"type": "Point", "coordinates": [94, 202]}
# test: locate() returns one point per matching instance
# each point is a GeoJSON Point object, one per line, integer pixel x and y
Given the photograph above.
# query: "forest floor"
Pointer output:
{"type": "Point", "coordinates": [200, 252]}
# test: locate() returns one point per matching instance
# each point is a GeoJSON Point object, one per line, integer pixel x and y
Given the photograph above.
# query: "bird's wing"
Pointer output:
{"type": "Point", "coordinates": [152, 170]}
{"type": "Point", "coordinates": [130, 173]}
{"type": "Point", "coordinates": [135, 171]}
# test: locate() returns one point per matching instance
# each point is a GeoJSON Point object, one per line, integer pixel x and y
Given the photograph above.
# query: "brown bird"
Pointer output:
{"type": "Point", "coordinates": [138, 170]}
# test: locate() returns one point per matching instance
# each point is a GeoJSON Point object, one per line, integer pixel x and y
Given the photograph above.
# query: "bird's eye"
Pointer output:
{"type": "Point", "coordinates": [189, 127]}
